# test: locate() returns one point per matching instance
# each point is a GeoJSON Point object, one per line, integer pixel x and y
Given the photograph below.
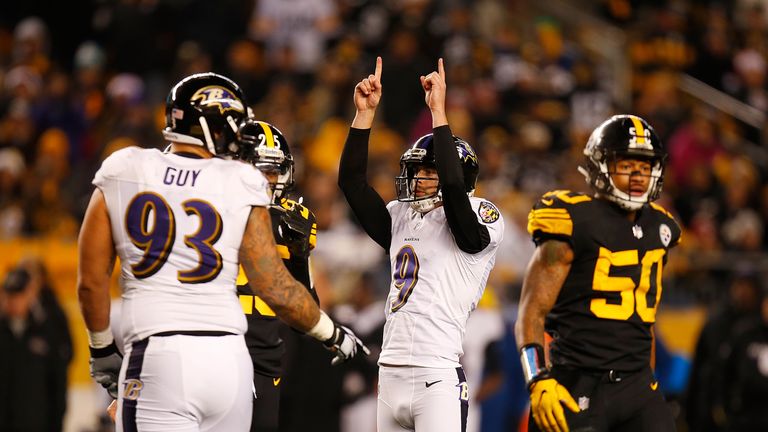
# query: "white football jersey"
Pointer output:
{"type": "Point", "coordinates": [177, 224]}
{"type": "Point", "coordinates": [435, 285]}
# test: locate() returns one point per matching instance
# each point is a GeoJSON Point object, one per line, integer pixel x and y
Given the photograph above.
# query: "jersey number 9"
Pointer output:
{"type": "Point", "coordinates": [405, 276]}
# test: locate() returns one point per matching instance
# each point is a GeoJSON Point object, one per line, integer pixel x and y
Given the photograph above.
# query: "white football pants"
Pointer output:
{"type": "Point", "coordinates": [422, 399]}
{"type": "Point", "coordinates": [186, 383]}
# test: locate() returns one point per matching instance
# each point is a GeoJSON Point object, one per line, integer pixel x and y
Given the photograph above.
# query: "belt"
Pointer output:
{"type": "Point", "coordinates": [615, 376]}
{"type": "Point", "coordinates": [194, 333]}
{"type": "Point", "coordinates": [610, 375]}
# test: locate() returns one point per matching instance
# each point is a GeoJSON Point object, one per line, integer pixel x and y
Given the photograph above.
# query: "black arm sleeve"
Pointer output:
{"type": "Point", "coordinates": [471, 236]}
{"type": "Point", "coordinates": [366, 204]}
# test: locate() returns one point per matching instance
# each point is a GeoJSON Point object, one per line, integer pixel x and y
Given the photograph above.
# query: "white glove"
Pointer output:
{"type": "Point", "coordinates": [344, 343]}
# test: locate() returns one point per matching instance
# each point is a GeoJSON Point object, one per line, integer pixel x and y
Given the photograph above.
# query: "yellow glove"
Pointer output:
{"type": "Point", "coordinates": [546, 397]}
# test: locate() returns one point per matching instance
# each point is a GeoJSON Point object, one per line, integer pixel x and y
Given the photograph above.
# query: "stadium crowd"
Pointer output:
{"type": "Point", "coordinates": [527, 86]}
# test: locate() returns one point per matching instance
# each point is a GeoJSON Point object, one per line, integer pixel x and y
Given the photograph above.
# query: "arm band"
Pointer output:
{"type": "Point", "coordinates": [534, 364]}
{"type": "Point", "coordinates": [324, 328]}
{"type": "Point", "coordinates": [100, 339]}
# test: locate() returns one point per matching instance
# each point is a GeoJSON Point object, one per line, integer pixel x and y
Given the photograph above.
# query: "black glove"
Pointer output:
{"type": "Point", "coordinates": [344, 343]}
{"type": "Point", "coordinates": [105, 367]}
{"type": "Point", "coordinates": [295, 229]}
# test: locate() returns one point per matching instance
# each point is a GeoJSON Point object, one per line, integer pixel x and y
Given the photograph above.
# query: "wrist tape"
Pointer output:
{"type": "Point", "coordinates": [534, 363]}
{"type": "Point", "coordinates": [324, 328]}
{"type": "Point", "coordinates": [100, 339]}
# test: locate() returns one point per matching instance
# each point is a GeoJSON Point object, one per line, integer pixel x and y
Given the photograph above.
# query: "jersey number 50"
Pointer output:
{"type": "Point", "coordinates": [632, 297]}
{"type": "Point", "coordinates": [151, 226]}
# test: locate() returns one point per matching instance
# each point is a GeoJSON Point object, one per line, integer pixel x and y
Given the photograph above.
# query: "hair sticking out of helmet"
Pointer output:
{"type": "Point", "coordinates": [623, 137]}
{"type": "Point", "coordinates": [422, 154]}
{"type": "Point", "coordinates": [264, 146]}
{"type": "Point", "coordinates": [205, 109]}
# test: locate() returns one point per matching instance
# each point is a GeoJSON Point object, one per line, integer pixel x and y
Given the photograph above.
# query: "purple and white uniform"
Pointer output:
{"type": "Point", "coordinates": [177, 224]}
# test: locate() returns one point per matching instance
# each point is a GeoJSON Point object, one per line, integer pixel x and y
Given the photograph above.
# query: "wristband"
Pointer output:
{"type": "Point", "coordinates": [100, 339]}
{"type": "Point", "coordinates": [324, 328]}
{"type": "Point", "coordinates": [105, 352]}
{"type": "Point", "coordinates": [534, 363]}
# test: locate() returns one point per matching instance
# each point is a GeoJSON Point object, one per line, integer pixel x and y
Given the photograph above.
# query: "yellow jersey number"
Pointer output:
{"type": "Point", "coordinates": [632, 297]}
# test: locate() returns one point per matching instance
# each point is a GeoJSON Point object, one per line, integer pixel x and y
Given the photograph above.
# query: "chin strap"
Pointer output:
{"type": "Point", "coordinates": [425, 205]}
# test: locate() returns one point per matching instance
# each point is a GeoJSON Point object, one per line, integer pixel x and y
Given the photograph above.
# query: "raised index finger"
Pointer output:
{"type": "Point", "coordinates": [441, 68]}
{"type": "Point", "coordinates": [377, 73]}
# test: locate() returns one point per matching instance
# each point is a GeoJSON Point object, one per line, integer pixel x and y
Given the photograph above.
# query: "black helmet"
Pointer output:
{"type": "Point", "coordinates": [264, 146]}
{"type": "Point", "coordinates": [623, 137]}
{"type": "Point", "coordinates": [205, 109]}
{"type": "Point", "coordinates": [422, 153]}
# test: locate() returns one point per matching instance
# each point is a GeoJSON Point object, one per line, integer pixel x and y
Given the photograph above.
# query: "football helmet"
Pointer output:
{"type": "Point", "coordinates": [623, 137]}
{"type": "Point", "coordinates": [264, 146]}
{"type": "Point", "coordinates": [205, 109]}
{"type": "Point", "coordinates": [422, 153]}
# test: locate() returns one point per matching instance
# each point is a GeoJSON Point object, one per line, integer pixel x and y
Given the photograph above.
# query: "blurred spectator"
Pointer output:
{"type": "Point", "coordinates": [363, 315]}
{"type": "Point", "coordinates": [713, 60]}
{"type": "Point", "coordinates": [247, 65]}
{"type": "Point", "coordinates": [693, 144]}
{"type": "Point", "coordinates": [45, 199]}
{"type": "Point", "coordinates": [295, 31]}
{"type": "Point", "coordinates": [704, 409]}
{"type": "Point", "coordinates": [404, 63]}
{"type": "Point", "coordinates": [117, 24]}
{"type": "Point", "coordinates": [746, 373]}
{"type": "Point", "coordinates": [36, 347]}
{"type": "Point", "coordinates": [484, 326]}
{"type": "Point", "coordinates": [750, 66]}
{"type": "Point", "coordinates": [31, 44]}
{"type": "Point", "coordinates": [11, 210]}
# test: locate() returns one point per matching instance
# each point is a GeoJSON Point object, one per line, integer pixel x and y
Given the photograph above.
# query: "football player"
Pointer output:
{"type": "Point", "coordinates": [181, 223]}
{"type": "Point", "coordinates": [594, 286]}
{"type": "Point", "coordinates": [295, 232]}
{"type": "Point", "coordinates": [442, 244]}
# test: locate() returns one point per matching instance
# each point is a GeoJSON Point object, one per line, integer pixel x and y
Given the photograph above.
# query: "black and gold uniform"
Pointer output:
{"type": "Point", "coordinates": [601, 321]}
{"type": "Point", "coordinates": [295, 232]}
{"type": "Point", "coordinates": [603, 315]}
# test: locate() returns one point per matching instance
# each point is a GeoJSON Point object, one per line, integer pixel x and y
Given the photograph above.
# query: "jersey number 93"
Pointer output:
{"type": "Point", "coordinates": [151, 226]}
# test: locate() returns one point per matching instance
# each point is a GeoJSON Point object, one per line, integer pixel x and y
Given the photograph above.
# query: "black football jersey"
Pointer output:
{"type": "Point", "coordinates": [263, 339]}
{"type": "Point", "coordinates": [603, 315]}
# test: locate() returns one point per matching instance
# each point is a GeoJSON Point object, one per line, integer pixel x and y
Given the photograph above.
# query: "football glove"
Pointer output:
{"type": "Point", "coordinates": [295, 229]}
{"type": "Point", "coordinates": [105, 367]}
{"type": "Point", "coordinates": [344, 343]}
{"type": "Point", "coordinates": [546, 396]}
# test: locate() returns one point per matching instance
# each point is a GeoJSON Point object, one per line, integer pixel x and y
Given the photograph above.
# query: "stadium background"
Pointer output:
{"type": "Point", "coordinates": [527, 81]}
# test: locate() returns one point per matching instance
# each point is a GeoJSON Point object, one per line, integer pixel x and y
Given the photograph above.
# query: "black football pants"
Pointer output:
{"type": "Point", "coordinates": [612, 401]}
{"type": "Point", "coordinates": [266, 403]}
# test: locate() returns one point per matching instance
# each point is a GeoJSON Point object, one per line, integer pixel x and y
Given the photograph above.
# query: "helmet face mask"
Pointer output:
{"type": "Point", "coordinates": [264, 146]}
{"type": "Point", "coordinates": [205, 109]}
{"type": "Point", "coordinates": [421, 155]}
{"type": "Point", "coordinates": [623, 137]}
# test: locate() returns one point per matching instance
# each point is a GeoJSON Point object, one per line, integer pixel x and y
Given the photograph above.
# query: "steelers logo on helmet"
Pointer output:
{"type": "Point", "coordinates": [422, 154]}
{"type": "Point", "coordinates": [623, 137]}
{"type": "Point", "coordinates": [264, 146]}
